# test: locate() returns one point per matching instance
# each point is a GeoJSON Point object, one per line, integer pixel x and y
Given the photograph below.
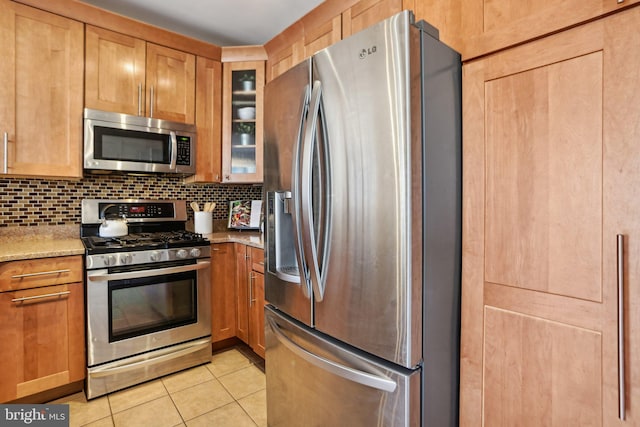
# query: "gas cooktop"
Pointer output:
{"type": "Point", "coordinates": [144, 241]}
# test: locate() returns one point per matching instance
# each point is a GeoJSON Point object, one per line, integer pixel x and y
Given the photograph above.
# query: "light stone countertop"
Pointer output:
{"type": "Point", "coordinates": [19, 243]}
{"type": "Point", "coordinates": [249, 238]}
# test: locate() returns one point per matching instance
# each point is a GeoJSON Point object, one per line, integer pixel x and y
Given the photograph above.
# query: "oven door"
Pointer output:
{"type": "Point", "coordinates": [133, 310]}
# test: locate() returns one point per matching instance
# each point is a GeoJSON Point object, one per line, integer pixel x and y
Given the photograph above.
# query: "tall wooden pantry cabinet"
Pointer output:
{"type": "Point", "coordinates": [551, 180]}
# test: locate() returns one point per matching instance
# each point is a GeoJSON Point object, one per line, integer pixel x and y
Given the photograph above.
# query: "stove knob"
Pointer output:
{"type": "Point", "coordinates": [195, 253]}
{"type": "Point", "coordinates": [109, 260]}
{"type": "Point", "coordinates": [155, 256]}
{"type": "Point", "coordinates": [182, 253]}
{"type": "Point", "coordinates": [125, 258]}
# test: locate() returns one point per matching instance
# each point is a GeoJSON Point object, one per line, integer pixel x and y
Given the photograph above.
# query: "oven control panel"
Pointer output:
{"type": "Point", "coordinates": [138, 210]}
{"type": "Point", "coordinates": [135, 210]}
{"type": "Point", "coordinates": [146, 257]}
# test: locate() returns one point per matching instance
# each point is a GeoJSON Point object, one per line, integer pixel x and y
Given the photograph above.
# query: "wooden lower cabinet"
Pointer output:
{"type": "Point", "coordinates": [552, 168]}
{"type": "Point", "coordinates": [41, 328]}
{"type": "Point", "coordinates": [242, 291]}
{"type": "Point", "coordinates": [223, 292]}
{"type": "Point", "coordinates": [256, 302]}
{"type": "Point", "coordinates": [250, 293]}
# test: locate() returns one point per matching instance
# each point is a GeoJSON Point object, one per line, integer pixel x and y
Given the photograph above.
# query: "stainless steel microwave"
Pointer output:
{"type": "Point", "coordinates": [123, 143]}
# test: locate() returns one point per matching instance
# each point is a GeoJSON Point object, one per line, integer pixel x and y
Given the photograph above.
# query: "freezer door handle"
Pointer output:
{"type": "Point", "coordinates": [354, 375]}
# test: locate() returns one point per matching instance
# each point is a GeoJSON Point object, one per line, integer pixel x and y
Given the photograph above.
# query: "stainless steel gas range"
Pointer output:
{"type": "Point", "coordinates": [148, 294]}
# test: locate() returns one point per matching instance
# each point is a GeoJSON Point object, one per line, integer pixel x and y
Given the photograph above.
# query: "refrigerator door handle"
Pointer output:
{"type": "Point", "coordinates": [296, 190]}
{"type": "Point", "coordinates": [310, 244]}
{"type": "Point", "coordinates": [354, 375]}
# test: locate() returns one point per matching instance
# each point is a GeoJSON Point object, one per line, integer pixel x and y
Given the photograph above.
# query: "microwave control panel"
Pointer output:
{"type": "Point", "coordinates": [184, 150]}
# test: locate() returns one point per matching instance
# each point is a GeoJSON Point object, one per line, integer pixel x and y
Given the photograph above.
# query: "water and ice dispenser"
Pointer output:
{"type": "Point", "coordinates": [282, 242]}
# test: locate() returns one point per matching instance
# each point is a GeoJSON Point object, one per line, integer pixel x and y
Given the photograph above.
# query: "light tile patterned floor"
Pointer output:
{"type": "Point", "coordinates": [229, 391]}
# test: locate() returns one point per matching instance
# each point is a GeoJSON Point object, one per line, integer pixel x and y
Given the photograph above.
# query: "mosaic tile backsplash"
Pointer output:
{"type": "Point", "coordinates": [37, 202]}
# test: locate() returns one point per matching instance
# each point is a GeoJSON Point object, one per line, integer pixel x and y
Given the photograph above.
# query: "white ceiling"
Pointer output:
{"type": "Point", "coordinates": [221, 22]}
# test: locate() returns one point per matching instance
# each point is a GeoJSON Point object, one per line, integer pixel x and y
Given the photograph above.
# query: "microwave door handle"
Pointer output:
{"type": "Point", "coordinates": [296, 196]}
{"type": "Point", "coordinates": [308, 236]}
{"type": "Point", "coordinates": [174, 150]}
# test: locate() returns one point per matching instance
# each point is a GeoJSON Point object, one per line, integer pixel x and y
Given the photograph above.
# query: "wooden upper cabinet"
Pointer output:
{"type": "Point", "coordinates": [41, 92]}
{"type": "Point", "coordinates": [282, 60]}
{"type": "Point", "coordinates": [208, 121]}
{"type": "Point", "coordinates": [490, 25]}
{"type": "Point", "coordinates": [366, 13]}
{"type": "Point", "coordinates": [171, 77]}
{"type": "Point", "coordinates": [115, 72]}
{"type": "Point", "coordinates": [317, 36]}
{"type": "Point", "coordinates": [551, 171]}
{"type": "Point", "coordinates": [242, 126]}
{"type": "Point", "coordinates": [128, 75]}
{"type": "Point", "coordinates": [443, 15]}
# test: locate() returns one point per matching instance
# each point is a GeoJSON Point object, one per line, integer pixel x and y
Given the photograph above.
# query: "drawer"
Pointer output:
{"type": "Point", "coordinates": [257, 259]}
{"type": "Point", "coordinates": [39, 272]}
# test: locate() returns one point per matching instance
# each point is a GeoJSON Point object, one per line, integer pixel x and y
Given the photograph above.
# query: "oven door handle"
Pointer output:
{"type": "Point", "coordinates": [121, 367]}
{"type": "Point", "coordinates": [98, 277]}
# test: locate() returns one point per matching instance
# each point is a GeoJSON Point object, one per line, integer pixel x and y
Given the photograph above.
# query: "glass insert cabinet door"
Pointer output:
{"type": "Point", "coordinates": [242, 121]}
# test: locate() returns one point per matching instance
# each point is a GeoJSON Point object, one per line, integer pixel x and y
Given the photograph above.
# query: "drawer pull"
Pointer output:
{"type": "Point", "coordinates": [56, 294]}
{"type": "Point", "coordinates": [42, 273]}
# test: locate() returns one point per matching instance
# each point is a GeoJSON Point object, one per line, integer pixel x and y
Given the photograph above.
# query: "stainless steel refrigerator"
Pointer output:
{"type": "Point", "coordinates": [363, 232]}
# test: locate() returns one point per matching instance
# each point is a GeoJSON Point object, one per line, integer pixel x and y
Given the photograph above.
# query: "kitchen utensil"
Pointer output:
{"type": "Point", "coordinates": [113, 227]}
{"type": "Point", "coordinates": [195, 207]}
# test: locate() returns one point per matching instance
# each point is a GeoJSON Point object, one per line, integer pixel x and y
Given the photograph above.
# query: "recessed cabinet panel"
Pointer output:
{"type": "Point", "coordinates": [544, 175]}
{"type": "Point", "coordinates": [171, 84]}
{"type": "Point", "coordinates": [490, 25]}
{"type": "Point", "coordinates": [366, 13]}
{"type": "Point", "coordinates": [115, 71]}
{"type": "Point", "coordinates": [322, 36]}
{"type": "Point", "coordinates": [532, 364]}
{"type": "Point", "coordinates": [223, 292]}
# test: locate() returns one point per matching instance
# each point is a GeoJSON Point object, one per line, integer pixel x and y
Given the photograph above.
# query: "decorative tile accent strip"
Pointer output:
{"type": "Point", "coordinates": [33, 202]}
